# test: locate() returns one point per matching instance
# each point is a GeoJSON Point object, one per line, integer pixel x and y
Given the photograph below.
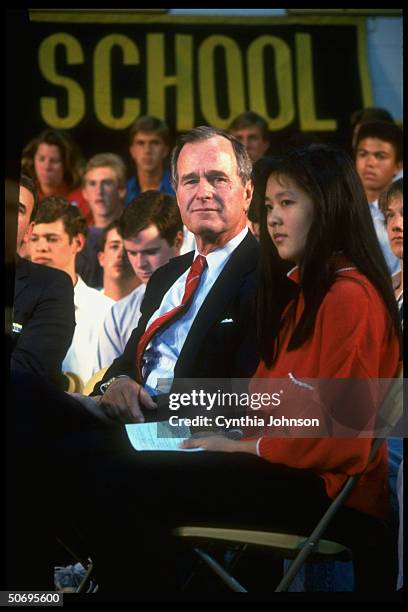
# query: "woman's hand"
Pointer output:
{"type": "Point", "coordinates": [217, 442]}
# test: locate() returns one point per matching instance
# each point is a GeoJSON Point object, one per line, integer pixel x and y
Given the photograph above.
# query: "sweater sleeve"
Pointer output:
{"type": "Point", "coordinates": [353, 341]}
{"type": "Point", "coordinates": [353, 326]}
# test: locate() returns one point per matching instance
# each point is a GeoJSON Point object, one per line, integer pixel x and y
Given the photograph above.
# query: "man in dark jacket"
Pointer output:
{"type": "Point", "coordinates": [43, 311]}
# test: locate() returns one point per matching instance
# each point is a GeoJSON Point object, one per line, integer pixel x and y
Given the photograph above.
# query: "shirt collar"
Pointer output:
{"type": "Point", "coordinates": [341, 263]}
{"type": "Point", "coordinates": [219, 256]}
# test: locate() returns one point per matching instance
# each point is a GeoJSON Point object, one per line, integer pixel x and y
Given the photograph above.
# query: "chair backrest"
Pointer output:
{"type": "Point", "coordinates": [88, 388]}
{"type": "Point", "coordinates": [391, 411]}
{"type": "Point", "coordinates": [75, 382]}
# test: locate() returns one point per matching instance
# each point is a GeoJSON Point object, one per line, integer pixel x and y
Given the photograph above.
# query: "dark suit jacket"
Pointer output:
{"type": "Point", "coordinates": [213, 348]}
{"type": "Point", "coordinates": [44, 308]}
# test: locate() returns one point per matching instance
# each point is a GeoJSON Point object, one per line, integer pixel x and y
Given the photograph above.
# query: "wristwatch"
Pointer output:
{"type": "Point", "coordinates": [104, 386]}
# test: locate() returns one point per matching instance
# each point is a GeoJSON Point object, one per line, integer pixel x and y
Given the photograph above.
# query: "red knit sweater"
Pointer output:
{"type": "Point", "coordinates": [353, 337]}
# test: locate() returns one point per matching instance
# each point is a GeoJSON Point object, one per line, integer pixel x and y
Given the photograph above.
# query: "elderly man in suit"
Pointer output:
{"type": "Point", "coordinates": [213, 335]}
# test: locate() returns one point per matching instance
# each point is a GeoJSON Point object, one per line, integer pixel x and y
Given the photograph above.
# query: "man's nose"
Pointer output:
{"type": "Point", "coordinates": [122, 253]}
{"type": "Point", "coordinates": [204, 189]}
{"type": "Point", "coordinates": [41, 244]}
{"type": "Point", "coordinates": [140, 260]}
{"type": "Point", "coordinates": [397, 223]}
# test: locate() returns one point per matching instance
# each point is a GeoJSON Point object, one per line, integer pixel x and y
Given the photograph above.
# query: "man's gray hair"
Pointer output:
{"type": "Point", "coordinates": [204, 132]}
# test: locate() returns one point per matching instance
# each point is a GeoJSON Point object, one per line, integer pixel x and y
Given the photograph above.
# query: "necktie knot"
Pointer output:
{"type": "Point", "coordinates": [199, 263]}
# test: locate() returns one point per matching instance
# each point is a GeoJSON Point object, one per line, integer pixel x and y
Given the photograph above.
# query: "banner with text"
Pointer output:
{"type": "Point", "coordinates": [94, 73]}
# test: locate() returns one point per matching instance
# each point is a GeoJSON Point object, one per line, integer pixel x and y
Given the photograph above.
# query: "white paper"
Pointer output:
{"type": "Point", "coordinates": [158, 436]}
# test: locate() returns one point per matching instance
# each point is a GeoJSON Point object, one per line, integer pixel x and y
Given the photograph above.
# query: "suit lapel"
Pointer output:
{"type": "Point", "coordinates": [21, 277]}
{"type": "Point", "coordinates": [242, 261]}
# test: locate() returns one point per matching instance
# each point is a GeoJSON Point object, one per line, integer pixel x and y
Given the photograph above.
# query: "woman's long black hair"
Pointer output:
{"type": "Point", "coordinates": [342, 222]}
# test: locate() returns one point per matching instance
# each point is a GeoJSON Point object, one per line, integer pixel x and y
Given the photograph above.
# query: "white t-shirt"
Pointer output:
{"type": "Point", "coordinates": [91, 308]}
{"type": "Point", "coordinates": [117, 327]}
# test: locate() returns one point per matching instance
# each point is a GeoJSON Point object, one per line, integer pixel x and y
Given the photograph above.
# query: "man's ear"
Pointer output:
{"type": "Point", "coordinates": [101, 258]}
{"type": "Point", "coordinates": [131, 152]}
{"type": "Point", "coordinates": [79, 242]}
{"type": "Point", "coordinates": [400, 165]}
{"type": "Point", "coordinates": [265, 146]}
{"type": "Point", "coordinates": [28, 232]}
{"type": "Point", "coordinates": [178, 241]}
{"type": "Point", "coordinates": [122, 193]}
{"type": "Point", "coordinates": [249, 191]}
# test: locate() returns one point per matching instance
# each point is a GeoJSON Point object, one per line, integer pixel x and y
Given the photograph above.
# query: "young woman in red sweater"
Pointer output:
{"type": "Point", "coordinates": [332, 315]}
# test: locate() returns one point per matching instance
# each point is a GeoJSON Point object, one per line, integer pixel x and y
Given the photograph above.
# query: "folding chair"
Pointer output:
{"type": "Point", "coordinates": [74, 549]}
{"type": "Point", "coordinates": [95, 378]}
{"type": "Point", "coordinates": [75, 383]}
{"type": "Point", "coordinates": [290, 546]}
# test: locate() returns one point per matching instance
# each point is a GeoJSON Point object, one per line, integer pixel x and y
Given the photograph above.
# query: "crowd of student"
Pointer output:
{"type": "Point", "coordinates": [111, 236]}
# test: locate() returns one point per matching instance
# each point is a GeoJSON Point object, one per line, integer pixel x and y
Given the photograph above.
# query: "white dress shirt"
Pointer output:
{"type": "Point", "coordinates": [117, 327]}
{"type": "Point", "coordinates": [162, 352]}
{"type": "Point", "coordinates": [189, 243]}
{"type": "Point", "coordinates": [91, 308]}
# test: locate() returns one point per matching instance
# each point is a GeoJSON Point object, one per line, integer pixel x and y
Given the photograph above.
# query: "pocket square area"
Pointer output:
{"type": "Point", "coordinates": [227, 321]}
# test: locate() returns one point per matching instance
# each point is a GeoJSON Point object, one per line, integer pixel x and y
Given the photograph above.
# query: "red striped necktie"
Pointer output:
{"type": "Point", "coordinates": [158, 324]}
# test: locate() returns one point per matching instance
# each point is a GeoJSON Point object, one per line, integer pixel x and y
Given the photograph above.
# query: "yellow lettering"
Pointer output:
{"type": "Point", "coordinates": [207, 82]}
{"type": "Point", "coordinates": [103, 81]}
{"type": "Point", "coordinates": [75, 94]}
{"type": "Point", "coordinates": [157, 81]}
{"type": "Point", "coordinates": [306, 98]}
{"type": "Point", "coordinates": [284, 84]}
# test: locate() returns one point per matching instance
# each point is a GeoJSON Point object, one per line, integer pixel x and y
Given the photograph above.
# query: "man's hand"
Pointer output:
{"type": "Point", "coordinates": [124, 400]}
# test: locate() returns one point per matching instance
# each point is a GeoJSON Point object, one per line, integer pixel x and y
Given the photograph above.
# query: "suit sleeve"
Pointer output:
{"type": "Point", "coordinates": [47, 334]}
